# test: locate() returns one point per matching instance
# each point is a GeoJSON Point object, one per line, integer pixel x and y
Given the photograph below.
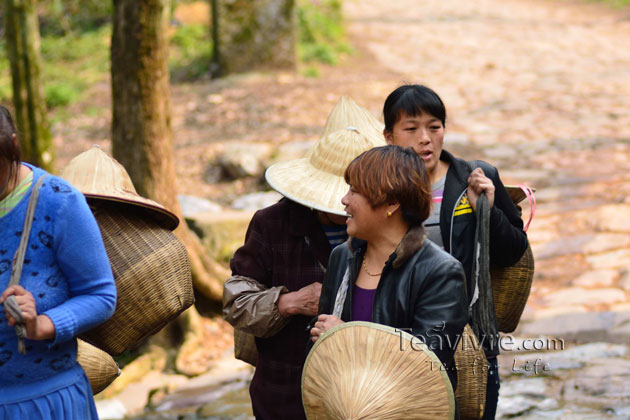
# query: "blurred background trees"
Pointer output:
{"type": "Point", "coordinates": [22, 46]}
{"type": "Point", "coordinates": [140, 46]}
{"type": "Point", "coordinates": [151, 43]}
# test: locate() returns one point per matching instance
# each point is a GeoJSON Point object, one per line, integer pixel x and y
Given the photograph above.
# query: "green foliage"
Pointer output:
{"type": "Point", "coordinates": [60, 94]}
{"type": "Point", "coordinates": [76, 34]}
{"type": "Point", "coordinates": [69, 65]}
{"type": "Point", "coordinates": [59, 17]}
{"type": "Point", "coordinates": [5, 75]}
{"type": "Point", "coordinates": [190, 52]}
{"type": "Point", "coordinates": [321, 31]}
{"type": "Point", "coordinates": [310, 72]}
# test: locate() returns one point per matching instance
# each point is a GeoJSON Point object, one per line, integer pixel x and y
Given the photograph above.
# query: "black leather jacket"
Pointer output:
{"type": "Point", "coordinates": [421, 290]}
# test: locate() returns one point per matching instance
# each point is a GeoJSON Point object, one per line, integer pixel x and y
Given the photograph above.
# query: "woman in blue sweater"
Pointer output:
{"type": "Point", "coordinates": [66, 288]}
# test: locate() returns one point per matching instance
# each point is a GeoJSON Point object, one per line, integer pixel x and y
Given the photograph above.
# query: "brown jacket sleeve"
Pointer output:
{"type": "Point", "coordinates": [251, 307]}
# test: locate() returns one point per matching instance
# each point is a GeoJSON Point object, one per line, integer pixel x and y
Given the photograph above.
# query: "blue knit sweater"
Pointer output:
{"type": "Point", "coordinates": [66, 270]}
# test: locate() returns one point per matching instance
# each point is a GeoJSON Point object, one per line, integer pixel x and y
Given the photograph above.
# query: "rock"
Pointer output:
{"type": "Point", "coordinates": [515, 406]}
{"type": "Point", "coordinates": [558, 310]}
{"type": "Point", "coordinates": [239, 160]}
{"type": "Point", "coordinates": [111, 409]}
{"type": "Point", "coordinates": [619, 259]}
{"type": "Point", "coordinates": [222, 233]}
{"type": "Point", "coordinates": [451, 138]}
{"type": "Point", "coordinates": [609, 367]}
{"type": "Point", "coordinates": [621, 333]}
{"type": "Point", "coordinates": [581, 327]}
{"type": "Point", "coordinates": [612, 218]}
{"type": "Point", "coordinates": [256, 201]}
{"type": "Point", "coordinates": [583, 244]}
{"type": "Point", "coordinates": [500, 152]}
{"type": "Point", "coordinates": [292, 150]}
{"type": "Point", "coordinates": [580, 296]}
{"type": "Point", "coordinates": [563, 246]}
{"type": "Point", "coordinates": [227, 376]}
{"type": "Point", "coordinates": [597, 278]}
{"type": "Point", "coordinates": [532, 387]}
{"type": "Point", "coordinates": [568, 412]}
{"type": "Point", "coordinates": [597, 391]}
{"type": "Point", "coordinates": [624, 281]}
{"type": "Point", "coordinates": [607, 241]}
{"type": "Point", "coordinates": [192, 205]}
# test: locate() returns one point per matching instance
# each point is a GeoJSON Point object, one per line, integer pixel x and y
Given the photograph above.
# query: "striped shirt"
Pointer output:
{"type": "Point", "coordinates": [336, 234]}
{"type": "Point", "coordinates": [10, 201]}
{"type": "Point", "coordinates": [432, 224]}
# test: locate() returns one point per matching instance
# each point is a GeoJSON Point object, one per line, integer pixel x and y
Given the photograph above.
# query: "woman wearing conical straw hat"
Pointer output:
{"type": "Point", "coordinates": [387, 273]}
{"type": "Point", "coordinates": [276, 275]}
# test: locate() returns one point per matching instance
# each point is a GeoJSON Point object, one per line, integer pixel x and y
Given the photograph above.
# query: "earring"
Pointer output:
{"type": "Point", "coordinates": [389, 214]}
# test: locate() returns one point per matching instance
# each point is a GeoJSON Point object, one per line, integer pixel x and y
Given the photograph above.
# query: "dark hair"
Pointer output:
{"type": "Point", "coordinates": [412, 100]}
{"type": "Point", "coordinates": [391, 174]}
{"type": "Point", "coordinates": [10, 156]}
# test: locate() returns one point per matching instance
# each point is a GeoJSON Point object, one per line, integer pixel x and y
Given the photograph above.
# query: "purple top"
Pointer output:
{"type": "Point", "coordinates": [362, 302]}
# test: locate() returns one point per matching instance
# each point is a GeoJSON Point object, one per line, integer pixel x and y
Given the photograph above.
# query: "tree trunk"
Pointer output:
{"type": "Point", "coordinates": [255, 34]}
{"type": "Point", "coordinates": [142, 138]}
{"type": "Point", "coordinates": [22, 34]}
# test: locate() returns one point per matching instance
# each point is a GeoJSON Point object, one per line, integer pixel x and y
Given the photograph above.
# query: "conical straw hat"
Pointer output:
{"type": "Point", "coordinates": [98, 175]}
{"type": "Point", "coordinates": [100, 368]}
{"type": "Point", "coordinates": [362, 370]}
{"type": "Point", "coordinates": [317, 181]}
{"type": "Point", "coordinates": [348, 113]}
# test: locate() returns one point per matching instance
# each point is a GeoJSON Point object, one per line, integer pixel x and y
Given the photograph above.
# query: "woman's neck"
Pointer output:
{"type": "Point", "coordinates": [381, 247]}
{"type": "Point", "coordinates": [440, 170]}
{"type": "Point", "coordinates": [13, 182]}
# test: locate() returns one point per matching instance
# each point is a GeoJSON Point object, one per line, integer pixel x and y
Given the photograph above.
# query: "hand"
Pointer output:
{"type": "Point", "coordinates": [38, 327]}
{"type": "Point", "coordinates": [323, 324]}
{"type": "Point", "coordinates": [478, 182]}
{"type": "Point", "coordinates": [303, 302]}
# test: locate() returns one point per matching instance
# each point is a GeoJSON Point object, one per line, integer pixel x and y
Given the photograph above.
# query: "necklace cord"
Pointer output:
{"type": "Point", "coordinates": [367, 271]}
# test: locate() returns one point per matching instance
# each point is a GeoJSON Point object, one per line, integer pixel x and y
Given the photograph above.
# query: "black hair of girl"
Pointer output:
{"type": "Point", "coordinates": [10, 156]}
{"type": "Point", "coordinates": [412, 100]}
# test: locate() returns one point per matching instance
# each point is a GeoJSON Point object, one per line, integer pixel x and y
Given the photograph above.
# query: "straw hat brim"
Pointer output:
{"type": "Point", "coordinates": [162, 215]}
{"type": "Point", "coordinates": [362, 370]}
{"type": "Point", "coordinates": [301, 182]}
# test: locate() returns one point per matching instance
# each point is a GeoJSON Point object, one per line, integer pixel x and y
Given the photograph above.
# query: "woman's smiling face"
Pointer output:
{"type": "Point", "coordinates": [362, 217]}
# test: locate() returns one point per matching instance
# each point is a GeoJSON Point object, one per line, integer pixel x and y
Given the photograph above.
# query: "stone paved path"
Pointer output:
{"type": "Point", "coordinates": [542, 90]}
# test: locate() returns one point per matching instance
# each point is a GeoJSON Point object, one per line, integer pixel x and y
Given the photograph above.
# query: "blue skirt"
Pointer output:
{"type": "Point", "coordinates": [67, 396]}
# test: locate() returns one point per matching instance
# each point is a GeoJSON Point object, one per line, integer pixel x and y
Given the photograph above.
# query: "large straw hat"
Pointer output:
{"type": "Point", "coordinates": [362, 370]}
{"type": "Point", "coordinates": [348, 113]}
{"type": "Point", "coordinates": [98, 175]}
{"type": "Point", "coordinates": [316, 181]}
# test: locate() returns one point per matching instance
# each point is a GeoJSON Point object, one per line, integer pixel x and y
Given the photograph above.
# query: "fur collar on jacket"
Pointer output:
{"type": "Point", "coordinates": [409, 245]}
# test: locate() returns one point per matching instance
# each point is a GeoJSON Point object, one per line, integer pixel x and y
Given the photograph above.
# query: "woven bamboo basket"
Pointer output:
{"type": "Point", "coordinates": [152, 273]}
{"type": "Point", "coordinates": [362, 370]}
{"type": "Point", "coordinates": [99, 367]}
{"type": "Point", "coordinates": [510, 288]}
{"type": "Point", "coordinates": [472, 376]}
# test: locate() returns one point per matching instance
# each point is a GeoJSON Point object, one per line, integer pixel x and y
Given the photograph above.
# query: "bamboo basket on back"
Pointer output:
{"type": "Point", "coordinates": [150, 264]}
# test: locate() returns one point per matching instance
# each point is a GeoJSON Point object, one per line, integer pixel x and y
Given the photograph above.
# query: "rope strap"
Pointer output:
{"type": "Point", "coordinates": [11, 305]}
{"type": "Point", "coordinates": [531, 197]}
